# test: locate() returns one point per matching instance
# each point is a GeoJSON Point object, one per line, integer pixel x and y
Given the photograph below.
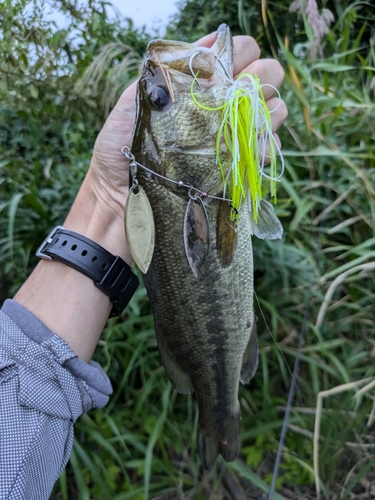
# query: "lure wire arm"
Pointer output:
{"type": "Point", "coordinates": [125, 150]}
{"type": "Point", "coordinates": [195, 75]}
{"type": "Point", "coordinates": [193, 192]}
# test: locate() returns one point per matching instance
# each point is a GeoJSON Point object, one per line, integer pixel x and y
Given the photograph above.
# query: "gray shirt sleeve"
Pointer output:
{"type": "Point", "coordinates": [44, 388]}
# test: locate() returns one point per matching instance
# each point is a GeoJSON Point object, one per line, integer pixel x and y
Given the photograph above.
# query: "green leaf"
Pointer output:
{"type": "Point", "coordinates": [13, 207]}
{"type": "Point", "coordinates": [33, 91]}
{"type": "Point", "coordinates": [357, 478]}
{"type": "Point", "coordinates": [332, 67]}
{"type": "Point", "coordinates": [247, 473]}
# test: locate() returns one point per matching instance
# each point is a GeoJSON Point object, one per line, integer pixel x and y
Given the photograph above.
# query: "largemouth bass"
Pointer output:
{"type": "Point", "coordinates": [199, 273]}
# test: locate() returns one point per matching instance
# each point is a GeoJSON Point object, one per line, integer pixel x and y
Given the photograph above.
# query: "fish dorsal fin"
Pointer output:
{"type": "Point", "coordinates": [196, 236]}
{"type": "Point", "coordinates": [268, 226]}
{"type": "Point", "coordinates": [179, 379]}
{"type": "Point", "coordinates": [226, 237]}
{"type": "Point", "coordinates": [250, 357]}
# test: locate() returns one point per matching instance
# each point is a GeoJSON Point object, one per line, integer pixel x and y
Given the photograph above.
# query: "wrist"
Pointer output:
{"type": "Point", "coordinates": [66, 300]}
{"type": "Point", "coordinates": [100, 218]}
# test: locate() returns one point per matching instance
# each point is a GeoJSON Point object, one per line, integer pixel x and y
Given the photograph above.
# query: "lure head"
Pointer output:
{"type": "Point", "coordinates": [173, 136]}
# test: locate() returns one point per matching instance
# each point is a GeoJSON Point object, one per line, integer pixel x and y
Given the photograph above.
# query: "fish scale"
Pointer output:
{"type": "Point", "coordinates": [187, 165]}
{"type": "Point", "coordinates": [203, 324]}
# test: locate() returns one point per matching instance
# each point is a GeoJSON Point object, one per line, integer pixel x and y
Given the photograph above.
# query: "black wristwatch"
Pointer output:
{"type": "Point", "coordinates": [110, 273]}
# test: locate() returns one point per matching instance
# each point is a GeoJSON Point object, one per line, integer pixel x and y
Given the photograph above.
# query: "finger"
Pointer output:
{"type": "Point", "coordinates": [245, 50]}
{"type": "Point", "coordinates": [278, 112]}
{"type": "Point", "coordinates": [128, 96]}
{"type": "Point", "coordinates": [207, 41]}
{"type": "Point", "coordinates": [269, 72]}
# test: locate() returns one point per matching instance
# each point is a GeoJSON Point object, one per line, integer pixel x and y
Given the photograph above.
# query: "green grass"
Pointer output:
{"type": "Point", "coordinates": [143, 444]}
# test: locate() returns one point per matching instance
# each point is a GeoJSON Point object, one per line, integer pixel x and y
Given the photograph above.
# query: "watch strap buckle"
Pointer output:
{"type": "Point", "coordinates": [40, 252]}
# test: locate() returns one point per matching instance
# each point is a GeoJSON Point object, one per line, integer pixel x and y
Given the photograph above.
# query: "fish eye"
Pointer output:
{"type": "Point", "coordinates": [158, 97]}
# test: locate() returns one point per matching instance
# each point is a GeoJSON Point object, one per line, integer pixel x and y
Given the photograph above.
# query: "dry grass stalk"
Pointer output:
{"type": "Point", "coordinates": [319, 406]}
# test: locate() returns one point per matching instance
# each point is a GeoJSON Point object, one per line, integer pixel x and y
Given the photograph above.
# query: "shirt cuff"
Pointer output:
{"type": "Point", "coordinates": [93, 384]}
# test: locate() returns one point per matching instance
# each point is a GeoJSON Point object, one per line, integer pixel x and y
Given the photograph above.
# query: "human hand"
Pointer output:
{"type": "Point", "coordinates": [109, 174]}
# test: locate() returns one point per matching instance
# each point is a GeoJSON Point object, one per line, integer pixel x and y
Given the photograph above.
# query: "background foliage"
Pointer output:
{"type": "Point", "coordinates": [142, 445]}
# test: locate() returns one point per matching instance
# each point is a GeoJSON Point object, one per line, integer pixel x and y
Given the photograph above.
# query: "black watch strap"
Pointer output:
{"type": "Point", "coordinates": [110, 273]}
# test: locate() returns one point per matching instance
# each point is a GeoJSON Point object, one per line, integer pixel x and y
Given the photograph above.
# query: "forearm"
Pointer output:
{"type": "Point", "coordinates": [65, 300]}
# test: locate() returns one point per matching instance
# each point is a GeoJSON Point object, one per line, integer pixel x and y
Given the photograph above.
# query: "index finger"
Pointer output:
{"type": "Point", "coordinates": [245, 50]}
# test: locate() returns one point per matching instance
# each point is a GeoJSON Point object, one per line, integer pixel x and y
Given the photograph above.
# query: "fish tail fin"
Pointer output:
{"type": "Point", "coordinates": [229, 442]}
{"type": "Point", "coordinates": [208, 448]}
{"type": "Point", "coordinates": [225, 441]}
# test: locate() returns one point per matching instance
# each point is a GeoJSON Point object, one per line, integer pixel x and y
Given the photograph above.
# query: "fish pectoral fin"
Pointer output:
{"type": "Point", "coordinates": [226, 441]}
{"type": "Point", "coordinates": [226, 235]}
{"type": "Point", "coordinates": [196, 236]}
{"type": "Point", "coordinates": [250, 357]}
{"type": "Point", "coordinates": [180, 380]}
{"type": "Point", "coordinates": [268, 226]}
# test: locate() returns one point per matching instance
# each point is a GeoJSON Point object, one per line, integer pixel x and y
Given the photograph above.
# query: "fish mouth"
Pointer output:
{"type": "Point", "coordinates": [195, 60]}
